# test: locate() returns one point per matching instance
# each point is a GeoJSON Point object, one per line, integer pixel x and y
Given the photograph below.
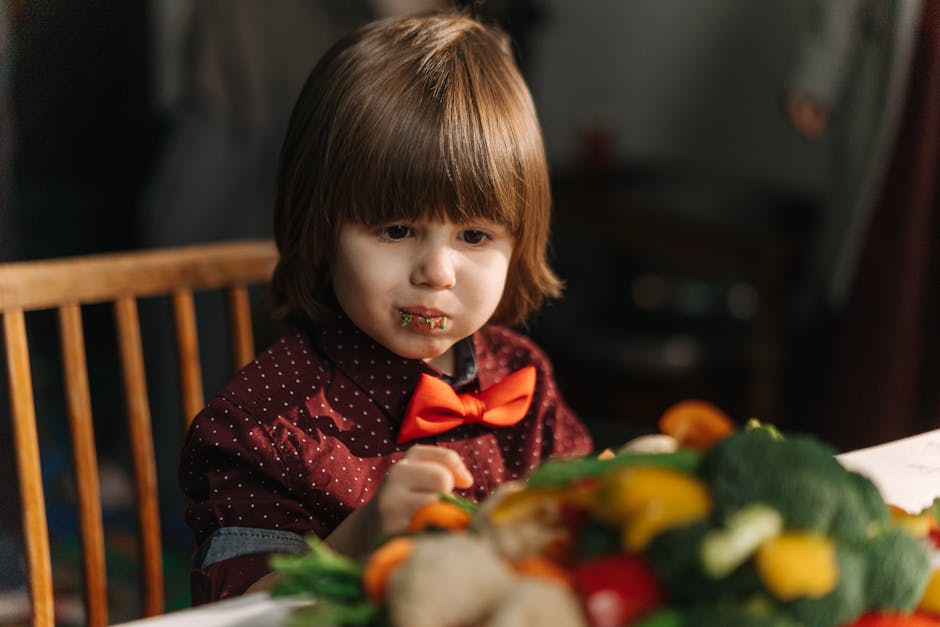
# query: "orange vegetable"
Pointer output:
{"type": "Point", "coordinates": [439, 514]}
{"type": "Point", "coordinates": [382, 563]}
{"type": "Point", "coordinates": [538, 566]}
{"type": "Point", "coordinates": [696, 424]}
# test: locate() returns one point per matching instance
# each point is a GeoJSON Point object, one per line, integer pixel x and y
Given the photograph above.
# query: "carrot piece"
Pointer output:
{"type": "Point", "coordinates": [439, 514]}
{"type": "Point", "coordinates": [382, 563]}
{"type": "Point", "coordinates": [538, 566]}
{"type": "Point", "coordinates": [696, 424]}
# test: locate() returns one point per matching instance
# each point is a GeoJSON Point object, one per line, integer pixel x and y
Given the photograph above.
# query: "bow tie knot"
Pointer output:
{"type": "Point", "coordinates": [435, 408]}
{"type": "Point", "coordinates": [473, 408]}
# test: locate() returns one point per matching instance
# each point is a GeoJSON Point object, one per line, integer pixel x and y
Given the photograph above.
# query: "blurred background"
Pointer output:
{"type": "Point", "coordinates": [746, 206]}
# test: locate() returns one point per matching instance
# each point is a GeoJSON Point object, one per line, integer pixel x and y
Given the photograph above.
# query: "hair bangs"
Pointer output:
{"type": "Point", "coordinates": [447, 146]}
{"type": "Point", "coordinates": [404, 175]}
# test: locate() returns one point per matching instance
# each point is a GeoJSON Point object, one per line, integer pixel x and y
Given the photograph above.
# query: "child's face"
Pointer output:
{"type": "Point", "coordinates": [419, 287]}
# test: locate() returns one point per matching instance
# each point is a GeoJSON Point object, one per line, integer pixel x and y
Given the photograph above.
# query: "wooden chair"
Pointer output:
{"type": "Point", "coordinates": [66, 285]}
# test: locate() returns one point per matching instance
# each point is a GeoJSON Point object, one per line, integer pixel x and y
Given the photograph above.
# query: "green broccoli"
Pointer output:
{"type": "Point", "coordinates": [707, 567]}
{"type": "Point", "coordinates": [596, 539]}
{"type": "Point", "coordinates": [753, 424]}
{"type": "Point", "coordinates": [667, 617]}
{"type": "Point", "coordinates": [861, 513]}
{"type": "Point", "coordinates": [673, 555]}
{"type": "Point", "coordinates": [675, 558]}
{"type": "Point", "coordinates": [898, 571]}
{"type": "Point", "coordinates": [756, 611]}
{"type": "Point", "coordinates": [844, 603]}
{"type": "Point", "coordinates": [870, 497]}
{"type": "Point", "coordinates": [798, 476]}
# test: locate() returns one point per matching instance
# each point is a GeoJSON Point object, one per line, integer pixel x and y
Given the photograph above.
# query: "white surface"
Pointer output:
{"type": "Point", "coordinates": [906, 471]}
{"type": "Point", "coordinates": [249, 610]}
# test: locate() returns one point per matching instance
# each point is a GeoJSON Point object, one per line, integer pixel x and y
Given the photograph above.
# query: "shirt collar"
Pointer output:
{"type": "Point", "coordinates": [383, 376]}
{"type": "Point", "coordinates": [465, 364]}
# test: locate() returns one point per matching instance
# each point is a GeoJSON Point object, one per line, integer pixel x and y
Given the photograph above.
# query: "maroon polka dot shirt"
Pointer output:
{"type": "Point", "coordinates": [306, 433]}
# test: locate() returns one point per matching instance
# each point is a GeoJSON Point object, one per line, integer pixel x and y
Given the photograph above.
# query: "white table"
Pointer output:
{"type": "Point", "coordinates": [246, 611]}
{"type": "Point", "coordinates": [906, 471]}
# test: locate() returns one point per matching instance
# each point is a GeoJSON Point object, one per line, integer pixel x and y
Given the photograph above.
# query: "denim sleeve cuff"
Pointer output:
{"type": "Point", "coordinates": [228, 542]}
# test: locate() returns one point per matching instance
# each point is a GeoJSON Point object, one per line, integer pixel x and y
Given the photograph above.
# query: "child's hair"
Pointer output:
{"type": "Point", "coordinates": [407, 118]}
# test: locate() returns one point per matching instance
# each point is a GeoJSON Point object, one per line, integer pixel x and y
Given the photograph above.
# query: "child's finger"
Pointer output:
{"type": "Point", "coordinates": [416, 475]}
{"type": "Point", "coordinates": [397, 510]}
{"type": "Point", "coordinates": [447, 458]}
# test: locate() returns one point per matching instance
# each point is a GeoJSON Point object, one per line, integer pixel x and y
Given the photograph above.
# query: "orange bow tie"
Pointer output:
{"type": "Point", "coordinates": [435, 407]}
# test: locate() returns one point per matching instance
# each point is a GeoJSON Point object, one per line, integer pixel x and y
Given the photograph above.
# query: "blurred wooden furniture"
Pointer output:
{"type": "Point", "coordinates": [65, 285]}
{"type": "Point", "coordinates": [697, 232]}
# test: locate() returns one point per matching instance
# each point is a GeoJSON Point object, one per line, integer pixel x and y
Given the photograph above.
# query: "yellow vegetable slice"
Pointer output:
{"type": "Point", "coordinates": [930, 602]}
{"type": "Point", "coordinates": [798, 564]}
{"type": "Point", "coordinates": [644, 501]}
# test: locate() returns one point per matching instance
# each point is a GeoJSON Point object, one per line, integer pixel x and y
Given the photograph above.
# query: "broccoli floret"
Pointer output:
{"type": "Point", "coordinates": [757, 611]}
{"type": "Point", "coordinates": [933, 508]}
{"type": "Point", "coordinates": [666, 617]}
{"type": "Point", "coordinates": [596, 539]}
{"type": "Point", "coordinates": [844, 603]}
{"type": "Point", "coordinates": [754, 424]}
{"type": "Point", "coordinates": [898, 570]}
{"type": "Point", "coordinates": [675, 558]}
{"type": "Point", "coordinates": [861, 512]}
{"type": "Point", "coordinates": [870, 498]}
{"type": "Point", "coordinates": [799, 476]}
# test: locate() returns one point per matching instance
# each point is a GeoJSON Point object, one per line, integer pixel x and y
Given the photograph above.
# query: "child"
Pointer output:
{"type": "Point", "coordinates": [411, 217]}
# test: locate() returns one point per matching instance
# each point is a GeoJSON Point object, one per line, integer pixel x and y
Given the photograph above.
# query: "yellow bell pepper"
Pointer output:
{"type": "Point", "coordinates": [798, 564]}
{"type": "Point", "coordinates": [528, 502]}
{"type": "Point", "coordinates": [930, 602]}
{"type": "Point", "coordinates": [918, 525]}
{"type": "Point", "coordinates": [644, 501]}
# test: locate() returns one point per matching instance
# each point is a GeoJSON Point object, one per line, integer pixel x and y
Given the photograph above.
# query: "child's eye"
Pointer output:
{"type": "Point", "coordinates": [473, 236]}
{"type": "Point", "coordinates": [396, 231]}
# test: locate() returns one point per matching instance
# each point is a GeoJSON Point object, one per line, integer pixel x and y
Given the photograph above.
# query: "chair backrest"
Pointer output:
{"type": "Point", "coordinates": [65, 285]}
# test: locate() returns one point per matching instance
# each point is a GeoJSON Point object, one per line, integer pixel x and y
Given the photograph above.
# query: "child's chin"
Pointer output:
{"type": "Point", "coordinates": [425, 350]}
{"type": "Point", "coordinates": [425, 356]}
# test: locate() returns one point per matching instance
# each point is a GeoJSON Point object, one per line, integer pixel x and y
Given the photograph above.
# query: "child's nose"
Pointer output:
{"type": "Point", "coordinates": [435, 268]}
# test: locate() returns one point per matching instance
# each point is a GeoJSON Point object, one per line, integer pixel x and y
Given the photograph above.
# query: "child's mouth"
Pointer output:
{"type": "Point", "coordinates": [422, 321]}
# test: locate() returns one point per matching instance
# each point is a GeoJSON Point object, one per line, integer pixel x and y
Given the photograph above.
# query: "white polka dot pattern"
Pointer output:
{"type": "Point", "coordinates": [304, 434]}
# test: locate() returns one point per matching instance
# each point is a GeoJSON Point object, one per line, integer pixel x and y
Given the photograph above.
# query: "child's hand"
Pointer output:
{"type": "Point", "coordinates": [416, 480]}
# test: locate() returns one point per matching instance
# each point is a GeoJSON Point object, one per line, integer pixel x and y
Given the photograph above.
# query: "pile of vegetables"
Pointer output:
{"type": "Point", "coordinates": [744, 528]}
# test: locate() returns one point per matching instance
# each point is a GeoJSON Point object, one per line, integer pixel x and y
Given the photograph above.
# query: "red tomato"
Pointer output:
{"type": "Point", "coordinates": [890, 619]}
{"type": "Point", "coordinates": [617, 589]}
{"type": "Point", "coordinates": [935, 537]}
